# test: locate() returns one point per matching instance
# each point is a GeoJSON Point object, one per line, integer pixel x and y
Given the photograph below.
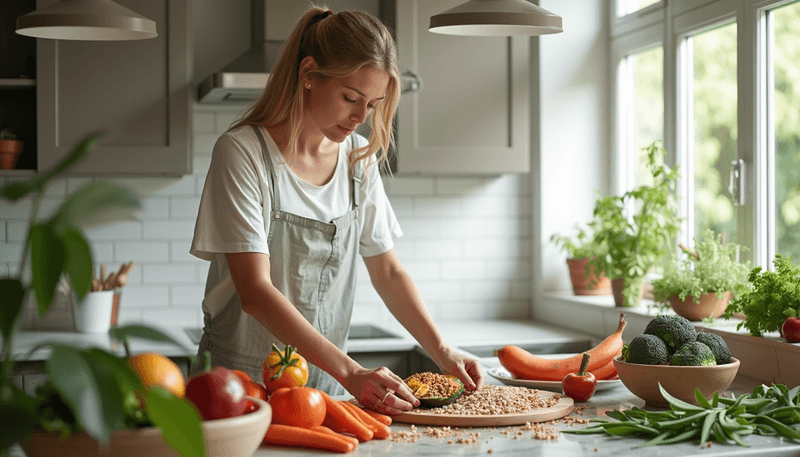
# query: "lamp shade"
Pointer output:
{"type": "Point", "coordinates": [86, 20]}
{"type": "Point", "coordinates": [496, 18]}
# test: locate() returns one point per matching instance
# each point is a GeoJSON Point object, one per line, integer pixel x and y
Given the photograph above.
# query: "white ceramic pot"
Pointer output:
{"type": "Point", "coordinates": [93, 314]}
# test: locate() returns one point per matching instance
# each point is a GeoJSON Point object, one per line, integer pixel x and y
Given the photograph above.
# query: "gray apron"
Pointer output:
{"type": "Point", "coordinates": [313, 264]}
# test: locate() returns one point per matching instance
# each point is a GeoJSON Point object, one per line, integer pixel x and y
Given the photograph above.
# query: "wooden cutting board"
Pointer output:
{"type": "Point", "coordinates": [422, 416]}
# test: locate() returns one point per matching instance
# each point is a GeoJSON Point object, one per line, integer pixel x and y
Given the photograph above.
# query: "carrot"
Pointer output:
{"type": "Point", "coordinates": [339, 419]}
{"type": "Point", "coordinates": [525, 365]}
{"type": "Point", "coordinates": [379, 431]}
{"type": "Point", "coordinates": [289, 435]}
{"type": "Point", "coordinates": [607, 371]}
{"type": "Point", "coordinates": [382, 418]}
{"type": "Point", "coordinates": [324, 429]}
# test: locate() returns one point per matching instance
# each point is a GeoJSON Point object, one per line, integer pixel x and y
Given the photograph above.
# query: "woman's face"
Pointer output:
{"type": "Point", "coordinates": [336, 106]}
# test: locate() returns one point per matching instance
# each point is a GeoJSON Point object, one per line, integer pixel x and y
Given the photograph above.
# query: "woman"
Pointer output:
{"type": "Point", "coordinates": [291, 199]}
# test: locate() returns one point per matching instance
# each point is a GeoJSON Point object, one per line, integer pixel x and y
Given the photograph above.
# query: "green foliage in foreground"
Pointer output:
{"type": "Point", "coordinates": [768, 410]}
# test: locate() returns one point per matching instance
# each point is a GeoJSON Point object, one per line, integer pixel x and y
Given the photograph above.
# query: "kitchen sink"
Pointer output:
{"type": "Point", "coordinates": [538, 348]}
{"type": "Point", "coordinates": [367, 331]}
{"type": "Point", "coordinates": [357, 332]}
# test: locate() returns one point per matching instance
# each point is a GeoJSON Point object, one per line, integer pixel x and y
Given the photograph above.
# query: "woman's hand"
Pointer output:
{"type": "Point", "coordinates": [381, 390]}
{"type": "Point", "coordinates": [467, 369]}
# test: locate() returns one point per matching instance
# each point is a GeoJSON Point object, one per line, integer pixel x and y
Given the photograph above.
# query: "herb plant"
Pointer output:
{"type": "Point", "coordinates": [580, 246]}
{"type": "Point", "coordinates": [89, 390]}
{"type": "Point", "coordinates": [769, 410]}
{"type": "Point", "coordinates": [6, 134]}
{"type": "Point", "coordinates": [638, 227]}
{"type": "Point", "coordinates": [712, 268]}
{"type": "Point", "coordinates": [775, 295]}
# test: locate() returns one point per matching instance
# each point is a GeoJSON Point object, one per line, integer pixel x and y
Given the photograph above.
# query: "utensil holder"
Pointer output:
{"type": "Point", "coordinates": [93, 314]}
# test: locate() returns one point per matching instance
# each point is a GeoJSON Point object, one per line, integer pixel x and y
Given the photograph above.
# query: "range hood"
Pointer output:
{"type": "Point", "coordinates": [244, 79]}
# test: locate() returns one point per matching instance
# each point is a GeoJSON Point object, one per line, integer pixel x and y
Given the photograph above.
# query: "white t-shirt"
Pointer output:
{"type": "Point", "coordinates": [234, 214]}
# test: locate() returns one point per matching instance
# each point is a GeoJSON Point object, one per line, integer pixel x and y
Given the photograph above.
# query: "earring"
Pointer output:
{"type": "Point", "coordinates": [308, 85]}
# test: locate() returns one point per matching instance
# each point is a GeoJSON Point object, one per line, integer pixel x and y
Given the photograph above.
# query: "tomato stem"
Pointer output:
{"type": "Point", "coordinates": [207, 361]}
{"type": "Point", "coordinates": [584, 364]}
{"type": "Point", "coordinates": [284, 362]}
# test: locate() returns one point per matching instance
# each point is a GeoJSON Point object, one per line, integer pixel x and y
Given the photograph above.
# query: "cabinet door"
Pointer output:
{"type": "Point", "coordinates": [137, 93]}
{"type": "Point", "coordinates": [472, 114]}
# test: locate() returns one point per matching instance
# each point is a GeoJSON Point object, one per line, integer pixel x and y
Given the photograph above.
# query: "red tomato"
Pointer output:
{"type": "Point", "coordinates": [251, 406]}
{"type": "Point", "coordinates": [254, 389]}
{"type": "Point", "coordinates": [298, 406]}
{"type": "Point", "coordinates": [580, 386]}
{"type": "Point", "coordinates": [217, 394]}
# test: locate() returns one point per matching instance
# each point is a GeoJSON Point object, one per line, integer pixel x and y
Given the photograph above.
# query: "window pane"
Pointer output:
{"type": "Point", "coordinates": [786, 96]}
{"type": "Point", "coordinates": [647, 123]}
{"type": "Point", "coordinates": [625, 7]}
{"type": "Point", "coordinates": [715, 124]}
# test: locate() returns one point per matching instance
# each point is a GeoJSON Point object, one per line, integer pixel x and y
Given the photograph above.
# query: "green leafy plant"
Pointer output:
{"type": "Point", "coordinates": [582, 245]}
{"type": "Point", "coordinates": [638, 227]}
{"type": "Point", "coordinates": [769, 410]}
{"type": "Point", "coordinates": [711, 268]}
{"type": "Point", "coordinates": [775, 295]}
{"type": "Point", "coordinates": [89, 390]}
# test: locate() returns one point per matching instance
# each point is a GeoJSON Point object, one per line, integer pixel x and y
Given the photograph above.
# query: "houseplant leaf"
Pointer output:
{"type": "Point", "coordinates": [12, 296]}
{"type": "Point", "coordinates": [179, 422]}
{"type": "Point", "coordinates": [14, 403]}
{"type": "Point", "coordinates": [96, 203]}
{"type": "Point", "coordinates": [47, 264]}
{"type": "Point", "coordinates": [78, 261]}
{"type": "Point", "coordinates": [81, 380]}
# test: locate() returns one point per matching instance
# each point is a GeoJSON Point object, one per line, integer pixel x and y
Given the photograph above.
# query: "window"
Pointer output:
{"type": "Point", "coordinates": [783, 69]}
{"type": "Point", "coordinates": [644, 89]}
{"type": "Point", "coordinates": [731, 88]}
{"type": "Point", "coordinates": [625, 7]}
{"type": "Point", "coordinates": [711, 129]}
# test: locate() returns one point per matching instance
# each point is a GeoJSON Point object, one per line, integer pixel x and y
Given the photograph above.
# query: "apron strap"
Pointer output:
{"type": "Point", "coordinates": [276, 204]}
{"type": "Point", "coordinates": [358, 176]}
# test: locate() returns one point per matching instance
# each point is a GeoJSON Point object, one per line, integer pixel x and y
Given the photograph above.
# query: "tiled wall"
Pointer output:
{"type": "Point", "coordinates": [467, 242]}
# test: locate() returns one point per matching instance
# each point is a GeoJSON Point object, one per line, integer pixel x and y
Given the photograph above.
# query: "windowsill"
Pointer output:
{"type": "Point", "coordinates": [768, 358]}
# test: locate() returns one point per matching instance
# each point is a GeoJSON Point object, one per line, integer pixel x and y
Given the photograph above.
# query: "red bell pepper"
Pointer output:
{"type": "Point", "coordinates": [580, 386]}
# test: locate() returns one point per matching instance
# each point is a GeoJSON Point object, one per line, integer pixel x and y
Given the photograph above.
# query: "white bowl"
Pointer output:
{"type": "Point", "coordinates": [232, 437]}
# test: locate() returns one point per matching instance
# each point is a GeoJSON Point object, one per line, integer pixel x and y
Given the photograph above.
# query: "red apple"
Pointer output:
{"type": "Point", "coordinates": [791, 329]}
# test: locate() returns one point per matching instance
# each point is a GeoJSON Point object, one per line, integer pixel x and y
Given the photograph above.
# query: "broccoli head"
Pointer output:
{"type": "Point", "coordinates": [693, 354]}
{"type": "Point", "coordinates": [647, 349]}
{"type": "Point", "coordinates": [674, 330]}
{"type": "Point", "coordinates": [717, 345]}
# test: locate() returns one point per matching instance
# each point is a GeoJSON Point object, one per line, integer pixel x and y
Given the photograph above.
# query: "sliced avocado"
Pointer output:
{"type": "Point", "coordinates": [435, 402]}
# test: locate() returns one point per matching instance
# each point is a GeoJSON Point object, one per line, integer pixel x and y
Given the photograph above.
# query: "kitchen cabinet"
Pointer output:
{"type": "Point", "coordinates": [138, 93]}
{"type": "Point", "coordinates": [472, 115]}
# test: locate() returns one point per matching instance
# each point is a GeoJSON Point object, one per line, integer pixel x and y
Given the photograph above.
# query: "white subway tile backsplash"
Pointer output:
{"type": "Point", "coordinates": [17, 231]}
{"type": "Point", "coordinates": [184, 207]}
{"type": "Point", "coordinates": [467, 240]}
{"type": "Point", "coordinates": [168, 230]}
{"type": "Point", "coordinates": [154, 208]}
{"type": "Point", "coordinates": [142, 251]}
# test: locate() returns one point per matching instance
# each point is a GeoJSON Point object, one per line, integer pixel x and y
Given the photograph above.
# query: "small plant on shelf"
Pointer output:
{"type": "Point", "coordinates": [580, 249]}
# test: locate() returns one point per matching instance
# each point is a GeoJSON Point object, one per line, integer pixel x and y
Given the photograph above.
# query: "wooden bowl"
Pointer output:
{"type": "Point", "coordinates": [680, 382]}
{"type": "Point", "coordinates": [232, 437]}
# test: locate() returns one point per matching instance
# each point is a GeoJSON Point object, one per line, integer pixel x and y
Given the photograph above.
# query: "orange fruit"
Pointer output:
{"type": "Point", "coordinates": [157, 370]}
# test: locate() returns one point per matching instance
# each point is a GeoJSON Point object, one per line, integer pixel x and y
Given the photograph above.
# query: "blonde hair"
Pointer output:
{"type": "Point", "coordinates": [341, 44]}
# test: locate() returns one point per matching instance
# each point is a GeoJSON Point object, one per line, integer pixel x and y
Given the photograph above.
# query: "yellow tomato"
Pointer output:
{"type": "Point", "coordinates": [157, 370]}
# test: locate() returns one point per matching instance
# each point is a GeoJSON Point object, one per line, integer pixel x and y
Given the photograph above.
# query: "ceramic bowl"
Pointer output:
{"type": "Point", "coordinates": [232, 437]}
{"type": "Point", "coordinates": [680, 382]}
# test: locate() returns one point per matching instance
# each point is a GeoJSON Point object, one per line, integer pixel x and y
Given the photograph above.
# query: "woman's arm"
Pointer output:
{"type": "Point", "coordinates": [250, 272]}
{"type": "Point", "coordinates": [404, 301]}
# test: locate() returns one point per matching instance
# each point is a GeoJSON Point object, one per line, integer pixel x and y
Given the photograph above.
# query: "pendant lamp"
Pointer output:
{"type": "Point", "coordinates": [86, 20]}
{"type": "Point", "coordinates": [496, 18]}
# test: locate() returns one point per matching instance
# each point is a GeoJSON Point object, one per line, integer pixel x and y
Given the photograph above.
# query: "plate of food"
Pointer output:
{"type": "Point", "coordinates": [502, 375]}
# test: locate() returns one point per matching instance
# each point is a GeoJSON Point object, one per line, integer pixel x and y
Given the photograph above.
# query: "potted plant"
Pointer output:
{"type": "Point", "coordinates": [774, 296]}
{"type": "Point", "coordinates": [701, 283]}
{"type": "Point", "coordinates": [580, 249]}
{"type": "Point", "coordinates": [90, 393]}
{"type": "Point", "coordinates": [638, 229]}
{"type": "Point", "coordinates": [10, 148]}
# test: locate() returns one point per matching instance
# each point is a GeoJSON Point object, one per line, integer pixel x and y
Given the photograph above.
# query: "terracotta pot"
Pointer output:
{"type": "Point", "coordinates": [583, 284]}
{"type": "Point", "coordinates": [709, 305]}
{"type": "Point", "coordinates": [617, 285]}
{"type": "Point", "coordinates": [9, 151]}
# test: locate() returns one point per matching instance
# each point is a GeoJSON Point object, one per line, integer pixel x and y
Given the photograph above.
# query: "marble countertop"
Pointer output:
{"type": "Point", "coordinates": [502, 440]}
